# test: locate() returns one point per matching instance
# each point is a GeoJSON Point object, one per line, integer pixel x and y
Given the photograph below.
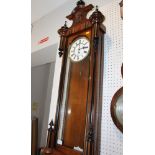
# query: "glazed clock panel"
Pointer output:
{"type": "Point", "coordinates": [76, 104]}
{"type": "Point", "coordinates": [76, 101]}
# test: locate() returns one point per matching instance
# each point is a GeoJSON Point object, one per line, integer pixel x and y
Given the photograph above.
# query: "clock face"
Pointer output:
{"type": "Point", "coordinates": [79, 49]}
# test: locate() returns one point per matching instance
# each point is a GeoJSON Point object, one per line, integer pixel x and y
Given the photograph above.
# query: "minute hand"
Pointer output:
{"type": "Point", "coordinates": [83, 48]}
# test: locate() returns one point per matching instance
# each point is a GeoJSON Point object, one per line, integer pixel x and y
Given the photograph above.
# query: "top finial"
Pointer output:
{"type": "Point", "coordinates": [65, 24]}
{"type": "Point", "coordinates": [96, 7]}
{"type": "Point", "coordinates": [80, 2]}
{"type": "Point", "coordinates": [51, 123]}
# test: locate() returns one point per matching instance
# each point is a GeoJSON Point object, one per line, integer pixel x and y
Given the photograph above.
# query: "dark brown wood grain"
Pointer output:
{"type": "Point", "coordinates": [62, 150]}
{"type": "Point", "coordinates": [76, 103]}
{"type": "Point", "coordinates": [79, 14]}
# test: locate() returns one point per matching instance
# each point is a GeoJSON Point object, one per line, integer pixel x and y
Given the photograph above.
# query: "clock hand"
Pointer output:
{"type": "Point", "coordinates": [82, 48]}
{"type": "Point", "coordinates": [85, 47]}
{"type": "Point", "coordinates": [79, 50]}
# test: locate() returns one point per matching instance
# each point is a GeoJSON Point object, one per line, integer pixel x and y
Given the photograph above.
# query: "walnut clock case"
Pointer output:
{"type": "Point", "coordinates": [80, 90]}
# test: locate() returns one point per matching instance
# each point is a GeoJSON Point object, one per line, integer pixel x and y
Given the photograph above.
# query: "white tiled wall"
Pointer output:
{"type": "Point", "coordinates": [111, 137]}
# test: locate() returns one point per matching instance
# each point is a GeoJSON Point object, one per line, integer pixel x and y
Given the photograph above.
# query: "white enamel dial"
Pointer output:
{"type": "Point", "coordinates": [79, 49]}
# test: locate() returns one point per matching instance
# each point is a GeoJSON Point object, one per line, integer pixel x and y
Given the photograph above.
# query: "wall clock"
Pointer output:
{"type": "Point", "coordinates": [117, 109]}
{"type": "Point", "coordinates": [78, 116]}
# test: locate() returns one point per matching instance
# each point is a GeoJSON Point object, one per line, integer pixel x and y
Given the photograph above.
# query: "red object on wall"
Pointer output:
{"type": "Point", "coordinates": [43, 40]}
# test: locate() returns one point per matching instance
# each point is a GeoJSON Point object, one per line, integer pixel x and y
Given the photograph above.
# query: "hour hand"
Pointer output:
{"type": "Point", "coordinates": [85, 47]}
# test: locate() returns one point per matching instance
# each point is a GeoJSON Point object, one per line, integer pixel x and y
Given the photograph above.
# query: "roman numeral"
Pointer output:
{"type": "Point", "coordinates": [72, 55]}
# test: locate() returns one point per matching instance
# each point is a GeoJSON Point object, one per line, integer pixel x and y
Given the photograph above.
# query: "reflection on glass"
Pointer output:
{"type": "Point", "coordinates": [71, 124]}
{"type": "Point", "coordinates": [69, 111]}
{"type": "Point", "coordinates": [62, 108]}
{"type": "Point", "coordinates": [119, 109]}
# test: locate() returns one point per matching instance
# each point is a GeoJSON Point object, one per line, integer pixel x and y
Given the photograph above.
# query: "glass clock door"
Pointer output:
{"type": "Point", "coordinates": [74, 104]}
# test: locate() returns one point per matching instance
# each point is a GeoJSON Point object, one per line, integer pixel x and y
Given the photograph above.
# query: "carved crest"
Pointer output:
{"type": "Point", "coordinates": [79, 14]}
{"type": "Point", "coordinates": [80, 22]}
